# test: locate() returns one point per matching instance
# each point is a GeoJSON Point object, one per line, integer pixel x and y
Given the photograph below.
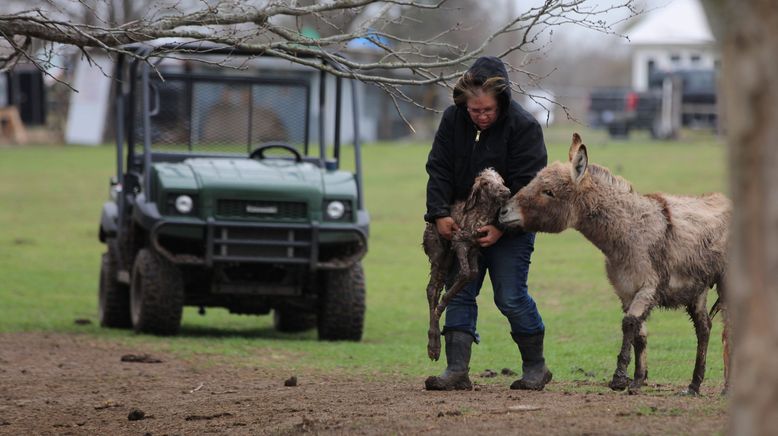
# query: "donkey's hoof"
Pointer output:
{"type": "Point", "coordinates": [619, 383]}
{"type": "Point", "coordinates": [634, 387]}
{"type": "Point", "coordinates": [689, 392]}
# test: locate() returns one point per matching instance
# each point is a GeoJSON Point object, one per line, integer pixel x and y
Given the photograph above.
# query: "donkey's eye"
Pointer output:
{"type": "Point", "coordinates": [549, 193]}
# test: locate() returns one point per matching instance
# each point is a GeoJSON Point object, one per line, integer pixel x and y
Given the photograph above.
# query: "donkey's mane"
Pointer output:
{"type": "Point", "coordinates": [604, 175]}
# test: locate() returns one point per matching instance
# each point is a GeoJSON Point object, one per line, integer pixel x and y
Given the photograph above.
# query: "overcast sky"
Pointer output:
{"type": "Point", "coordinates": [576, 35]}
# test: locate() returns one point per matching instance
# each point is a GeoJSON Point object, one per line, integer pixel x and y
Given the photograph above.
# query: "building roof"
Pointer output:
{"type": "Point", "coordinates": [679, 22]}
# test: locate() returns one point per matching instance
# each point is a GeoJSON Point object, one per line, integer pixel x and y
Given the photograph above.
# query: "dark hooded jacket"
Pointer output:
{"type": "Point", "coordinates": [513, 145]}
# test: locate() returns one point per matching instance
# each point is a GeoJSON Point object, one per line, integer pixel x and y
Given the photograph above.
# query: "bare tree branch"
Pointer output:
{"type": "Point", "coordinates": [392, 27]}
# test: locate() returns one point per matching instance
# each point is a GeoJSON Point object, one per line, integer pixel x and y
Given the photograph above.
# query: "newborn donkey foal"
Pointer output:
{"type": "Point", "coordinates": [486, 198]}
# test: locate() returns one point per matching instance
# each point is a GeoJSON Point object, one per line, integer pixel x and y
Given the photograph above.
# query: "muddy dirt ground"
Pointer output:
{"type": "Point", "coordinates": [77, 384]}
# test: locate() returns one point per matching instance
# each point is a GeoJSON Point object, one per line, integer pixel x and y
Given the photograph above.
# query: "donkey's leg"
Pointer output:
{"type": "Point", "coordinates": [725, 344]}
{"type": "Point", "coordinates": [699, 314]}
{"type": "Point", "coordinates": [726, 350]}
{"type": "Point", "coordinates": [641, 369]}
{"type": "Point", "coordinates": [638, 311]}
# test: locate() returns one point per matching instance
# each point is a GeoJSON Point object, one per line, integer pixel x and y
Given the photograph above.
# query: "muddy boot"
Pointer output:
{"type": "Point", "coordinates": [535, 374]}
{"type": "Point", "coordinates": [458, 359]}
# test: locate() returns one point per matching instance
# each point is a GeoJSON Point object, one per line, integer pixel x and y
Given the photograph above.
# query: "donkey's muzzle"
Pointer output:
{"type": "Point", "coordinates": [510, 215]}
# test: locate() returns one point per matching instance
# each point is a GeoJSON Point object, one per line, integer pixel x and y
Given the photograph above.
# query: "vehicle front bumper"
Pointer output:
{"type": "Point", "coordinates": [318, 245]}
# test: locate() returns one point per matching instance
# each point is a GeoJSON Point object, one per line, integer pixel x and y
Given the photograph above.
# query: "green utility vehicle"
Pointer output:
{"type": "Point", "coordinates": [228, 195]}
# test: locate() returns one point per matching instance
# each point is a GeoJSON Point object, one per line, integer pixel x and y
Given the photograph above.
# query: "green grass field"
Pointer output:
{"type": "Point", "coordinates": [50, 200]}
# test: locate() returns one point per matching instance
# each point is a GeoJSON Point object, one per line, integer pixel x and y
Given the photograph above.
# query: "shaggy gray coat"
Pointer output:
{"type": "Point", "coordinates": [488, 194]}
{"type": "Point", "coordinates": [661, 250]}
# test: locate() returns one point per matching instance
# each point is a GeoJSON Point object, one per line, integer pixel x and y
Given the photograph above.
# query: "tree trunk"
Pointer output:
{"type": "Point", "coordinates": [748, 34]}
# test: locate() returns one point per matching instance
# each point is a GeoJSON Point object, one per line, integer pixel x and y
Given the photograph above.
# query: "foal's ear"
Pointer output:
{"type": "Point", "coordinates": [580, 162]}
{"type": "Point", "coordinates": [474, 198]}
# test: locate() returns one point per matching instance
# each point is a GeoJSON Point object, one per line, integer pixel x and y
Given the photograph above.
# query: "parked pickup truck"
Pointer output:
{"type": "Point", "coordinates": [620, 110]}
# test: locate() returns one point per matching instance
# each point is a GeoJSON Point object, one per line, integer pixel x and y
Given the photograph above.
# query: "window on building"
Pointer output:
{"type": "Point", "coordinates": [652, 72]}
{"type": "Point", "coordinates": [696, 59]}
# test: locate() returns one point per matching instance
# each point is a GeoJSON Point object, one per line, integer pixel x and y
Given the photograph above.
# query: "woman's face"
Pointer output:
{"type": "Point", "coordinates": [483, 110]}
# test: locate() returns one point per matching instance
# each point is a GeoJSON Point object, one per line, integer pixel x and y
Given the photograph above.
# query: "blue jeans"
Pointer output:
{"type": "Point", "coordinates": [508, 264]}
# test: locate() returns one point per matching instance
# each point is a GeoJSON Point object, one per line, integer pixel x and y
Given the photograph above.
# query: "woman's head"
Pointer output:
{"type": "Point", "coordinates": [480, 97]}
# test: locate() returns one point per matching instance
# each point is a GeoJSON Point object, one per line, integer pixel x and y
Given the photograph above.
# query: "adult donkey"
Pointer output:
{"type": "Point", "coordinates": [660, 250]}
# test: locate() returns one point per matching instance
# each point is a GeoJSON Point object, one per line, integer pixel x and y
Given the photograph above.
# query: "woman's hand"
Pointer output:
{"type": "Point", "coordinates": [493, 234]}
{"type": "Point", "coordinates": [446, 226]}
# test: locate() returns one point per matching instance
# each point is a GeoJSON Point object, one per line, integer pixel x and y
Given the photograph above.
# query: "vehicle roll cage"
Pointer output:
{"type": "Point", "coordinates": [125, 111]}
{"type": "Point", "coordinates": [125, 105]}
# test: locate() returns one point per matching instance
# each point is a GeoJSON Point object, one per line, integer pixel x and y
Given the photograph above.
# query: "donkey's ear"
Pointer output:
{"type": "Point", "coordinates": [580, 162]}
{"type": "Point", "coordinates": [574, 146]}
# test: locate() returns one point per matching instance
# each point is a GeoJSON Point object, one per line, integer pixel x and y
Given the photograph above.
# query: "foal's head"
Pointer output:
{"type": "Point", "coordinates": [489, 192]}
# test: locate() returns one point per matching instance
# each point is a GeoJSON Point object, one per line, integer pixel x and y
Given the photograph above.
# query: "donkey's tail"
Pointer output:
{"type": "Point", "coordinates": [716, 307]}
{"type": "Point", "coordinates": [721, 306]}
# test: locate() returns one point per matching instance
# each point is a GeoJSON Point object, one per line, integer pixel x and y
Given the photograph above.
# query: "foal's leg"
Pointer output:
{"type": "Point", "coordinates": [638, 311]}
{"type": "Point", "coordinates": [641, 369]}
{"type": "Point", "coordinates": [434, 288]}
{"type": "Point", "coordinates": [467, 272]}
{"type": "Point", "coordinates": [699, 314]}
{"type": "Point", "coordinates": [439, 252]}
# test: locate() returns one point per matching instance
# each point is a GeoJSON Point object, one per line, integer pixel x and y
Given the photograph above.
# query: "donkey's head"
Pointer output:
{"type": "Point", "coordinates": [489, 192]}
{"type": "Point", "coordinates": [546, 204]}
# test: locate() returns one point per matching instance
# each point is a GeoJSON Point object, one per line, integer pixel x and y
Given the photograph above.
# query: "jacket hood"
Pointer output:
{"type": "Point", "coordinates": [491, 66]}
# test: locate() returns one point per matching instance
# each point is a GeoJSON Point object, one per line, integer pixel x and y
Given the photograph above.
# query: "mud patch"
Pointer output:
{"type": "Point", "coordinates": [95, 393]}
{"type": "Point", "coordinates": [136, 415]}
{"type": "Point", "coordinates": [207, 417]}
{"type": "Point", "coordinates": [140, 358]}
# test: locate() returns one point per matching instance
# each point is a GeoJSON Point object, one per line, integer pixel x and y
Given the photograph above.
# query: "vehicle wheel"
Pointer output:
{"type": "Point", "coordinates": [156, 294]}
{"type": "Point", "coordinates": [113, 299]}
{"type": "Point", "coordinates": [342, 305]}
{"type": "Point", "coordinates": [292, 321]}
{"type": "Point", "coordinates": [618, 130]}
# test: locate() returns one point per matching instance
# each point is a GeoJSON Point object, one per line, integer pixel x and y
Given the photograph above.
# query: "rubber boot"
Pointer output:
{"type": "Point", "coordinates": [455, 377]}
{"type": "Point", "coordinates": [535, 374]}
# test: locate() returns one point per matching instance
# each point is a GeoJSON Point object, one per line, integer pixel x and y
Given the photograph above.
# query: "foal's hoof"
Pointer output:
{"type": "Point", "coordinates": [619, 383]}
{"type": "Point", "coordinates": [433, 347]}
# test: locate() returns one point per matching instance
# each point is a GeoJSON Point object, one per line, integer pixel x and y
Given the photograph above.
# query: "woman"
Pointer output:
{"type": "Point", "coordinates": [486, 128]}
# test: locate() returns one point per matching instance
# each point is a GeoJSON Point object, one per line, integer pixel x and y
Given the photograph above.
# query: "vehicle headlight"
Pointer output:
{"type": "Point", "coordinates": [184, 204]}
{"type": "Point", "coordinates": [335, 210]}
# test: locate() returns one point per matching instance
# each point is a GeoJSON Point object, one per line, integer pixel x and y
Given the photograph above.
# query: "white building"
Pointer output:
{"type": "Point", "coordinates": [670, 38]}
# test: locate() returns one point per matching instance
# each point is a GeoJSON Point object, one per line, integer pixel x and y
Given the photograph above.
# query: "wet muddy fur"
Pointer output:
{"type": "Point", "coordinates": [661, 250]}
{"type": "Point", "coordinates": [488, 194]}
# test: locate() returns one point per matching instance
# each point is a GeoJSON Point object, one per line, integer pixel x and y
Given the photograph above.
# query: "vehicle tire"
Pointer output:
{"type": "Point", "coordinates": [113, 298]}
{"type": "Point", "coordinates": [293, 321]}
{"type": "Point", "coordinates": [156, 294]}
{"type": "Point", "coordinates": [342, 305]}
{"type": "Point", "coordinates": [618, 130]}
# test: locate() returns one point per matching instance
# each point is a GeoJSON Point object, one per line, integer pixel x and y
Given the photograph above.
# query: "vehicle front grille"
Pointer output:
{"type": "Point", "coordinates": [261, 244]}
{"type": "Point", "coordinates": [262, 210]}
